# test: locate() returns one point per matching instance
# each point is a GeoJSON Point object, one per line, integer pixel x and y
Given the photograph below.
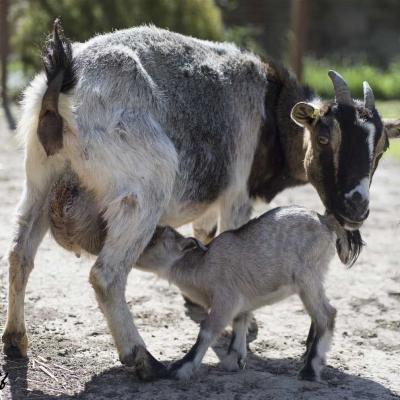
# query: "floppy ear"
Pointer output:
{"type": "Point", "coordinates": [187, 244]}
{"type": "Point", "coordinates": [304, 114]}
{"type": "Point", "coordinates": [392, 128]}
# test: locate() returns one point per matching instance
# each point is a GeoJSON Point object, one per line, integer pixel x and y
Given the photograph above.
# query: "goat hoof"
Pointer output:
{"type": "Point", "coordinates": [181, 371]}
{"type": "Point", "coordinates": [307, 374]}
{"type": "Point", "coordinates": [15, 344]}
{"type": "Point", "coordinates": [146, 366]}
{"type": "Point", "coordinates": [233, 362]}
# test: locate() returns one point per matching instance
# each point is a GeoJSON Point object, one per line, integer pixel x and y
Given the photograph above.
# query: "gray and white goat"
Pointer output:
{"type": "Point", "coordinates": [286, 251]}
{"type": "Point", "coordinates": [164, 129]}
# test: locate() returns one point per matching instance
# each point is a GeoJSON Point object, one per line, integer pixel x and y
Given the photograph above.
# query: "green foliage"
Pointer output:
{"type": "Point", "coordinates": [245, 37]}
{"type": "Point", "coordinates": [385, 84]}
{"type": "Point", "coordinates": [394, 148]}
{"type": "Point", "coordinates": [81, 19]}
{"type": "Point", "coordinates": [389, 109]}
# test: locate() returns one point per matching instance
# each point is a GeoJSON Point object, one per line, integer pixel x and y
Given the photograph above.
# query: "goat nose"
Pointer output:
{"type": "Point", "coordinates": [358, 204]}
{"type": "Point", "coordinates": [356, 198]}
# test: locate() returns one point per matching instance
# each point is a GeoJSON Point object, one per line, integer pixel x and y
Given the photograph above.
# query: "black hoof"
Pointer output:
{"type": "Point", "coordinates": [307, 374]}
{"type": "Point", "coordinates": [13, 352]}
{"type": "Point", "coordinates": [242, 363]}
{"type": "Point", "coordinates": [15, 345]}
{"type": "Point", "coordinates": [146, 366]}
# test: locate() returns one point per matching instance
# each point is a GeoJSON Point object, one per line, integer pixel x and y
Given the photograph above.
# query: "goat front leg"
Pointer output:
{"type": "Point", "coordinates": [32, 224]}
{"type": "Point", "coordinates": [131, 223]}
{"type": "Point", "coordinates": [237, 352]}
{"type": "Point", "coordinates": [219, 317]}
{"type": "Point", "coordinates": [235, 210]}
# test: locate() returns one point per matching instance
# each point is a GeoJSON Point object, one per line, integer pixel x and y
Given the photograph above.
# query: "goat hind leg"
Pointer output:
{"type": "Point", "coordinates": [323, 322]}
{"type": "Point", "coordinates": [32, 224]}
{"type": "Point", "coordinates": [210, 329]}
{"type": "Point", "coordinates": [237, 352]}
{"type": "Point", "coordinates": [130, 227]}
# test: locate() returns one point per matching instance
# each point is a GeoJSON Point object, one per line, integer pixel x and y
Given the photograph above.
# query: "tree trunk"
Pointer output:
{"type": "Point", "coordinates": [4, 38]}
{"type": "Point", "coordinates": [298, 31]}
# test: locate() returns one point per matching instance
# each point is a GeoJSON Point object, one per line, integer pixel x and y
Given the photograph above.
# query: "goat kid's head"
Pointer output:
{"type": "Point", "coordinates": [165, 248]}
{"type": "Point", "coordinates": [345, 141]}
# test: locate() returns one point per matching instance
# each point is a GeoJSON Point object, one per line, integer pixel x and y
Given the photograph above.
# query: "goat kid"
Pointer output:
{"type": "Point", "coordinates": [286, 251]}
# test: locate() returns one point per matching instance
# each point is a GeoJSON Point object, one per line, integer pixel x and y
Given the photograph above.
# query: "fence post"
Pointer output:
{"type": "Point", "coordinates": [298, 32]}
{"type": "Point", "coordinates": [4, 39]}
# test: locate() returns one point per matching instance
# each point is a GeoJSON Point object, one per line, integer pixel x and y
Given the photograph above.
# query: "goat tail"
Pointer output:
{"type": "Point", "coordinates": [348, 243]}
{"type": "Point", "coordinates": [59, 68]}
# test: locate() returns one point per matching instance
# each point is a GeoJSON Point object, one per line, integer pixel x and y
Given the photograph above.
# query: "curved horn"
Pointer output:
{"type": "Point", "coordinates": [342, 91]}
{"type": "Point", "coordinates": [369, 98]}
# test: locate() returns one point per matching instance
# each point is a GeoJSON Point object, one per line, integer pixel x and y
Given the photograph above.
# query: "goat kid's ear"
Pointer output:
{"type": "Point", "coordinates": [392, 128]}
{"type": "Point", "coordinates": [187, 244]}
{"type": "Point", "coordinates": [305, 114]}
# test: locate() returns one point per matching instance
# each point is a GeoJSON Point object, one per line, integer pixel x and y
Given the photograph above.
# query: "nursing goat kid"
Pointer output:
{"type": "Point", "coordinates": [286, 251]}
{"type": "Point", "coordinates": [163, 129]}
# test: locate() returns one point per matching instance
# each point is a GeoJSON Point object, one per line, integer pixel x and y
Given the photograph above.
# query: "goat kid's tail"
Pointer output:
{"type": "Point", "coordinates": [58, 65]}
{"type": "Point", "coordinates": [348, 243]}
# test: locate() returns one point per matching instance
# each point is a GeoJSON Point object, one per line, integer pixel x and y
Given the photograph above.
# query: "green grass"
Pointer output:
{"type": "Point", "coordinates": [394, 149]}
{"type": "Point", "coordinates": [391, 109]}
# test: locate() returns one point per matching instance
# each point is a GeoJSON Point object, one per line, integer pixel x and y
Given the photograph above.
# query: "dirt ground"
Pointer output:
{"type": "Point", "coordinates": [72, 355]}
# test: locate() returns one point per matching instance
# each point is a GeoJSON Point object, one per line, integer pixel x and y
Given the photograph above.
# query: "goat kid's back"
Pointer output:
{"type": "Point", "coordinates": [273, 250]}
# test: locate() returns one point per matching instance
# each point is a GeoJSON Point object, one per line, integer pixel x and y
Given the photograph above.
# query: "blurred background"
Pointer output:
{"type": "Point", "coordinates": [359, 38]}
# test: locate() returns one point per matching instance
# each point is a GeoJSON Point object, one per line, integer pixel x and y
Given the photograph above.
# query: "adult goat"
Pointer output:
{"type": "Point", "coordinates": [163, 129]}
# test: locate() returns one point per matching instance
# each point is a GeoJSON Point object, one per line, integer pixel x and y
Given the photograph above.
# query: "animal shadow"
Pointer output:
{"type": "Point", "coordinates": [263, 378]}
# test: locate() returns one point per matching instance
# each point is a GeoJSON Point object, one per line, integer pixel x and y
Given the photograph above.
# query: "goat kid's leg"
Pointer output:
{"type": "Point", "coordinates": [210, 329]}
{"type": "Point", "coordinates": [309, 340]}
{"type": "Point", "coordinates": [237, 352]}
{"type": "Point", "coordinates": [320, 335]}
{"type": "Point", "coordinates": [131, 223]}
{"type": "Point", "coordinates": [204, 229]}
{"type": "Point", "coordinates": [32, 224]}
{"type": "Point", "coordinates": [236, 209]}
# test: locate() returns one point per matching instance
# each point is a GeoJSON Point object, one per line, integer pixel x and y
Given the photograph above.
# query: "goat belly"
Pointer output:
{"type": "Point", "coordinates": [252, 303]}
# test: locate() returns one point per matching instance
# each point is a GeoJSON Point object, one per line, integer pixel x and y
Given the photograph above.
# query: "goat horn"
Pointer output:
{"type": "Point", "coordinates": [342, 91]}
{"type": "Point", "coordinates": [369, 98]}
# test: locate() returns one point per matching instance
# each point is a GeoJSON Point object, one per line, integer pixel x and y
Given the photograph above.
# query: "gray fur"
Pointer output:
{"type": "Point", "coordinates": [160, 129]}
{"type": "Point", "coordinates": [286, 251]}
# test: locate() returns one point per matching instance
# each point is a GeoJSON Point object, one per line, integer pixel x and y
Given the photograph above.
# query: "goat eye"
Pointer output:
{"type": "Point", "coordinates": [323, 140]}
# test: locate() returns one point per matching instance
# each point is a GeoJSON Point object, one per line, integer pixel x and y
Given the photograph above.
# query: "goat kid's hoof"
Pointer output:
{"type": "Point", "coordinates": [233, 362]}
{"type": "Point", "coordinates": [146, 366]}
{"type": "Point", "coordinates": [182, 372]}
{"type": "Point", "coordinates": [308, 374]}
{"type": "Point", "coordinates": [15, 344]}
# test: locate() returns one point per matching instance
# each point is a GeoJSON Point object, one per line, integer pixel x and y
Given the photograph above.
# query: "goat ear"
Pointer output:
{"type": "Point", "coordinates": [187, 244]}
{"type": "Point", "coordinates": [304, 114]}
{"type": "Point", "coordinates": [392, 128]}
